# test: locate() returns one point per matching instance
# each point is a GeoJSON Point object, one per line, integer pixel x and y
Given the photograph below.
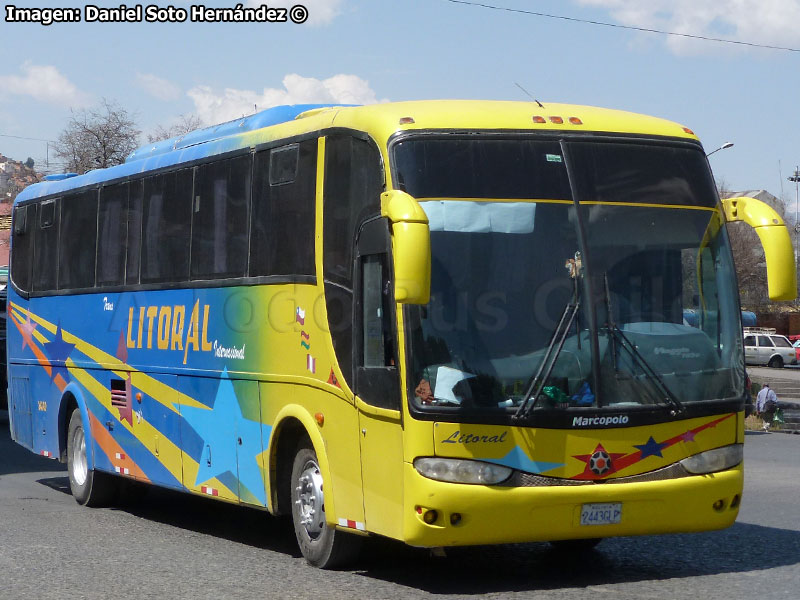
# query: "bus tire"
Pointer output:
{"type": "Point", "coordinates": [89, 487]}
{"type": "Point", "coordinates": [321, 545]}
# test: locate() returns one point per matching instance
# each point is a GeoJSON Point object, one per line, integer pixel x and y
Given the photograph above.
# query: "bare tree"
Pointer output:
{"type": "Point", "coordinates": [184, 124]}
{"type": "Point", "coordinates": [99, 137]}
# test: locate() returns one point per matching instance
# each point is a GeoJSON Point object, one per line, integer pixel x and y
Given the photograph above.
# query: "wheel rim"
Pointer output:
{"type": "Point", "coordinates": [80, 469]}
{"type": "Point", "coordinates": [310, 500]}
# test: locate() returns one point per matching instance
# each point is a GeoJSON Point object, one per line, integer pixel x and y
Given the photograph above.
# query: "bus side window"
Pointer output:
{"type": "Point", "coordinates": [22, 253]}
{"type": "Point", "coordinates": [112, 231]}
{"type": "Point", "coordinates": [45, 255]}
{"type": "Point", "coordinates": [219, 226]}
{"type": "Point", "coordinates": [134, 218]}
{"type": "Point", "coordinates": [77, 242]}
{"type": "Point", "coordinates": [353, 185]}
{"type": "Point", "coordinates": [284, 195]}
{"type": "Point", "coordinates": [166, 227]}
{"type": "Point", "coordinates": [377, 378]}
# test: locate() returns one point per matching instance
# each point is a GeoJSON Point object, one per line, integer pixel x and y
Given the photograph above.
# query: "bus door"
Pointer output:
{"type": "Point", "coordinates": [377, 382]}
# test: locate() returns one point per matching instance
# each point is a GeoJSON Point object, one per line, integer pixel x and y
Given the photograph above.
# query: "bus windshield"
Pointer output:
{"type": "Point", "coordinates": [627, 238]}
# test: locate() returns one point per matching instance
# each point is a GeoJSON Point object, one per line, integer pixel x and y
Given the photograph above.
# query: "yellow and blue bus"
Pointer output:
{"type": "Point", "coordinates": [442, 322]}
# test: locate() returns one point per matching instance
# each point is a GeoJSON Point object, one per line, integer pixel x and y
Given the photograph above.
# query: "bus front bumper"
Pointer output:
{"type": "Point", "coordinates": [472, 514]}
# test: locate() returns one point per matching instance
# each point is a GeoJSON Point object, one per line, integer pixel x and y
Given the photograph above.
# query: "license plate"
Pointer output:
{"type": "Point", "coordinates": [601, 514]}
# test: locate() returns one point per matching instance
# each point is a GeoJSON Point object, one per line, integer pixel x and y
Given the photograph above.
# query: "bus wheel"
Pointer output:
{"type": "Point", "coordinates": [321, 545]}
{"type": "Point", "coordinates": [89, 487]}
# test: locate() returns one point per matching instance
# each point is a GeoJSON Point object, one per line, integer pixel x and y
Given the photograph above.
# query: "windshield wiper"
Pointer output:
{"type": "Point", "coordinates": [548, 362]}
{"type": "Point", "coordinates": [619, 337]}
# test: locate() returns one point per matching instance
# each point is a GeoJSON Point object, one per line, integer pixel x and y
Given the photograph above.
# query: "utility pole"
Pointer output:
{"type": "Point", "coordinates": [796, 179]}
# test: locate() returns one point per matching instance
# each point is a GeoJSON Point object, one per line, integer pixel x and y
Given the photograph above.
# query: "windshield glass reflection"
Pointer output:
{"type": "Point", "coordinates": [508, 262]}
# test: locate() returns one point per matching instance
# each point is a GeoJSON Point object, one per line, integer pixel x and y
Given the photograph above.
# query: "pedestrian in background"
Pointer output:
{"type": "Point", "coordinates": [766, 405]}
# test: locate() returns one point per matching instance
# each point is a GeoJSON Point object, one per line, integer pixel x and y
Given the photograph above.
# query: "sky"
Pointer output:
{"type": "Point", "coordinates": [367, 51]}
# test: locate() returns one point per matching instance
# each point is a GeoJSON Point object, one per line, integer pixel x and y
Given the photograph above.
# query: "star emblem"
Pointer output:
{"type": "Point", "coordinates": [599, 463]}
{"type": "Point", "coordinates": [650, 448]}
{"type": "Point", "coordinates": [57, 352]}
{"type": "Point", "coordinates": [122, 348]}
{"type": "Point", "coordinates": [27, 328]}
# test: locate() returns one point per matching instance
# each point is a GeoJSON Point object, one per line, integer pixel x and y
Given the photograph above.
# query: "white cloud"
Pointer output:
{"type": "Point", "coordinates": [320, 12]}
{"type": "Point", "coordinates": [216, 107]}
{"type": "Point", "coordinates": [46, 84]}
{"type": "Point", "coordinates": [771, 22]}
{"type": "Point", "coordinates": [157, 87]}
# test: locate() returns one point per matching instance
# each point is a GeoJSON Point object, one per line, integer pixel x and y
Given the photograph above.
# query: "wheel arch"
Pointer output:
{"type": "Point", "coordinates": [72, 398]}
{"type": "Point", "coordinates": [293, 424]}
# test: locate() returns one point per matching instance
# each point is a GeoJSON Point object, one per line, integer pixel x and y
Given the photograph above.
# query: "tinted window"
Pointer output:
{"type": "Point", "coordinates": [219, 230]}
{"type": "Point", "coordinates": [750, 340]}
{"type": "Point", "coordinates": [765, 341]}
{"type": "Point", "coordinates": [481, 167]}
{"type": "Point", "coordinates": [283, 164]}
{"type": "Point", "coordinates": [133, 258]}
{"type": "Point", "coordinates": [353, 183]}
{"type": "Point", "coordinates": [78, 239]}
{"type": "Point", "coordinates": [45, 262]}
{"type": "Point", "coordinates": [639, 173]}
{"type": "Point", "coordinates": [112, 230]}
{"type": "Point", "coordinates": [166, 226]}
{"type": "Point", "coordinates": [283, 211]}
{"type": "Point", "coordinates": [25, 224]}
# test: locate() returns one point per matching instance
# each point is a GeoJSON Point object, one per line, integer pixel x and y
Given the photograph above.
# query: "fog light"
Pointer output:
{"type": "Point", "coordinates": [430, 516]}
{"type": "Point", "coordinates": [736, 500]}
{"type": "Point", "coordinates": [718, 505]}
{"type": "Point", "coordinates": [455, 518]}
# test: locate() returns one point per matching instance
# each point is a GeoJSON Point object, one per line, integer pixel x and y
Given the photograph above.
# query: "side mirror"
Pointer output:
{"type": "Point", "coordinates": [411, 245]}
{"type": "Point", "coordinates": [778, 250]}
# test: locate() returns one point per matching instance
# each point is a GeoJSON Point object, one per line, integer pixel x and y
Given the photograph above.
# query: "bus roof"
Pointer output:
{"type": "Point", "coordinates": [381, 121]}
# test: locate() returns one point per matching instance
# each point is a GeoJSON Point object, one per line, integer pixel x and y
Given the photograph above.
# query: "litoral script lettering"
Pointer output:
{"type": "Point", "coordinates": [469, 438]}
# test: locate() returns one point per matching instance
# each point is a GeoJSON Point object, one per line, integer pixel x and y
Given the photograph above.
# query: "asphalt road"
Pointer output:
{"type": "Point", "coordinates": [171, 545]}
{"type": "Point", "coordinates": [788, 372]}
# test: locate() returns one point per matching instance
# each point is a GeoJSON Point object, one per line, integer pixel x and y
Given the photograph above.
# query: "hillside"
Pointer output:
{"type": "Point", "coordinates": [14, 177]}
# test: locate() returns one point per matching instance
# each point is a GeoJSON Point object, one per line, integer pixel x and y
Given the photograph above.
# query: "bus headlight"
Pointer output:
{"type": "Point", "coordinates": [461, 471]}
{"type": "Point", "coordinates": [715, 460]}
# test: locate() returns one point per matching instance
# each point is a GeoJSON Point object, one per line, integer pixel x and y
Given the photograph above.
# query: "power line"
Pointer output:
{"type": "Point", "coordinates": [618, 26]}
{"type": "Point", "coordinates": [20, 137]}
